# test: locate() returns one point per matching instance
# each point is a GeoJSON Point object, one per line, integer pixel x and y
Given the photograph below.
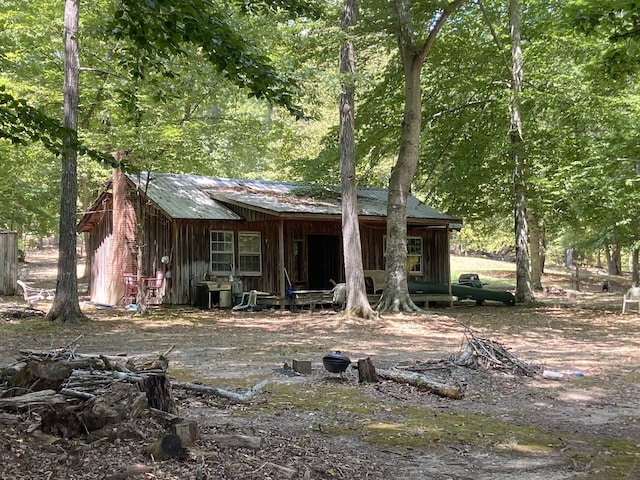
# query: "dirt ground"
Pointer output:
{"type": "Point", "coordinates": [325, 426]}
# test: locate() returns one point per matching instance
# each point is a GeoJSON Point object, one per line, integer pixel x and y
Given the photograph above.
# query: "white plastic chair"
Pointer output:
{"type": "Point", "coordinates": [249, 299]}
{"type": "Point", "coordinates": [32, 295]}
{"type": "Point", "coordinates": [632, 296]}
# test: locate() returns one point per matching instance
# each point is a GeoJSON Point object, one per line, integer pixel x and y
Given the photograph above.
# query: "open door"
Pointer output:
{"type": "Point", "coordinates": [324, 261]}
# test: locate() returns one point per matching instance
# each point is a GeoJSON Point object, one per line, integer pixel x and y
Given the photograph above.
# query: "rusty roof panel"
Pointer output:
{"type": "Point", "coordinates": [184, 196]}
{"type": "Point", "coordinates": [198, 197]}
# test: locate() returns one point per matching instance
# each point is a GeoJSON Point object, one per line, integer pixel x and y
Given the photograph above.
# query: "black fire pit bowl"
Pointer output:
{"type": "Point", "coordinates": [336, 362]}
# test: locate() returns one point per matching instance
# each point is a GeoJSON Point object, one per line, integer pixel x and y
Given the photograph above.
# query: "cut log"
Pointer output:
{"type": "Point", "coordinates": [284, 472]}
{"type": "Point", "coordinates": [34, 399]}
{"type": "Point", "coordinates": [40, 375]}
{"type": "Point", "coordinates": [188, 432]}
{"type": "Point", "coordinates": [239, 441]}
{"type": "Point", "coordinates": [166, 447]}
{"type": "Point", "coordinates": [9, 419]}
{"type": "Point", "coordinates": [219, 392]}
{"type": "Point", "coordinates": [423, 382]}
{"type": "Point", "coordinates": [366, 371]}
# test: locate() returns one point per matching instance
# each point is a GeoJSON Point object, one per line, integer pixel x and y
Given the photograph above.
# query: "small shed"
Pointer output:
{"type": "Point", "coordinates": [255, 235]}
{"type": "Point", "coordinates": [8, 262]}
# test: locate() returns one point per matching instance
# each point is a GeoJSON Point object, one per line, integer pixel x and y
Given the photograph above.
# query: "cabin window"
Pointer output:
{"type": "Point", "coordinates": [414, 255]}
{"type": "Point", "coordinates": [221, 252]}
{"type": "Point", "coordinates": [249, 253]}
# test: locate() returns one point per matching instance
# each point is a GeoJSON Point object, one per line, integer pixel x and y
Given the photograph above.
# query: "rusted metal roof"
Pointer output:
{"type": "Point", "coordinates": [198, 197]}
{"type": "Point", "coordinates": [184, 196]}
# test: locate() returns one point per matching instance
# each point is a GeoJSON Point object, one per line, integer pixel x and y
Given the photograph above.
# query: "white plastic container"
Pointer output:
{"type": "Point", "coordinates": [551, 375]}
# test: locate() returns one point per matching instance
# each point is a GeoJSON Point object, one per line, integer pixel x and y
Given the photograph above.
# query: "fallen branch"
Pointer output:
{"type": "Point", "coordinates": [219, 392]}
{"type": "Point", "coordinates": [33, 399]}
{"type": "Point", "coordinates": [423, 382]}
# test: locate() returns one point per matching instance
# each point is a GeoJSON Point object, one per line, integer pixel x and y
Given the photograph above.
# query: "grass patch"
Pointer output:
{"type": "Point", "coordinates": [344, 410]}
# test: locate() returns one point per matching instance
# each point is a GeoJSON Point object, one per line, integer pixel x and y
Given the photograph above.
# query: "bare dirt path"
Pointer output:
{"type": "Point", "coordinates": [321, 426]}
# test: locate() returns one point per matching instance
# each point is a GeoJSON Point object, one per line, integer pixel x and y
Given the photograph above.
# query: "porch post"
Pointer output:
{"type": "Point", "coordinates": [281, 274]}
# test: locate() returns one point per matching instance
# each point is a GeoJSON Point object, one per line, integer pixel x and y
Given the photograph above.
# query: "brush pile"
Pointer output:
{"type": "Point", "coordinates": [486, 354]}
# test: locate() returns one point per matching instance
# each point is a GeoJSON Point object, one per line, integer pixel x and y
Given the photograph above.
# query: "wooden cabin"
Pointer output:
{"type": "Point", "coordinates": [243, 235]}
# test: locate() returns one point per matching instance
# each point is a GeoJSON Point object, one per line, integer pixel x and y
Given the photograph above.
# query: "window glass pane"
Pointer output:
{"type": "Point", "coordinates": [221, 252]}
{"type": "Point", "coordinates": [249, 253]}
{"type": "Point", "coordinates": [414, 254]}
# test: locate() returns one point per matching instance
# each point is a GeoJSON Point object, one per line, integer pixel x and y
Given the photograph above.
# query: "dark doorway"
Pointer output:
{"type": "Point", "coordinates": [324, 261]}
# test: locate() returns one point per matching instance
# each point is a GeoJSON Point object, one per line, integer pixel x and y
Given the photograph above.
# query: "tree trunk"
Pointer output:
{"type": "Point", "coordinates": [524, 294]}
{"type": "Point", "coordinates": [395, 296]}
{"type": "Point", "coordinates": [65, 306]}
{"type": "Point", "coordinates": [357, 300]}
{"type": "Point", "coordinates": [635, 275]}
{"type": "Point", "coordinates": [614, 264]}
{"type": "Point", "coordinates": [535, 243]}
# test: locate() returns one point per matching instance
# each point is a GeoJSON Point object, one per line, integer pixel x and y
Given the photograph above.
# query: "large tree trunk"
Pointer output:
{"type": "Point", "coordinates": [614, 263]}
{"type": "Point", "coordinates": [524, 294]}
{"type": "Point", "coordinates": [65, 306]}
{"type": "Point", "coordinates": [396, 293]}
{"type": "Point", "coordinates": [357, 300]}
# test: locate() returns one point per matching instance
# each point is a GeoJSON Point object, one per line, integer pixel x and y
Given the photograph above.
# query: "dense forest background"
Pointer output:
{"type": "Point", "coordinates": [148, 86]}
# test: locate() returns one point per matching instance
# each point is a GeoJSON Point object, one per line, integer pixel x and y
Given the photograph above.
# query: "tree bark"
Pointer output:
{"type": "Point", "coordinates": [635, 275]}
{"type": "Point", "coordinates": [66, 307]}
{"type": "Point", "coordinates": [524, 293]}
{"type": "Point", "coordinates": [395, 296]}
{"type": "Point", "coordinates": [357, 301]}
{"type": "Point", "coordinates": [537, 249]}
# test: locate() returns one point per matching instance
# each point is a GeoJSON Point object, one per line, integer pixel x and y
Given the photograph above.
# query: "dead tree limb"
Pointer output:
{"type": "Point", "coordinates": [34, 399]}
{"type": "Point", "coordinates": [219, 392]}
{"type": "Point", "coordinates": [423, 382]}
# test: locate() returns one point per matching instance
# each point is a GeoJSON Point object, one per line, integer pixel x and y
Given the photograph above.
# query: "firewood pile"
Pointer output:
{"type": "Point", "coordinates": [66, 394]}
{"type": "Point", "coordinates": [482, 353]}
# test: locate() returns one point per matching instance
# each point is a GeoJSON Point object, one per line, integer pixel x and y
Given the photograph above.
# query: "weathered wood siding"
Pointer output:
{"type": "Point", "coordinates": [187, 244]}
{"type": "Point", "coordinates": [8, 262]}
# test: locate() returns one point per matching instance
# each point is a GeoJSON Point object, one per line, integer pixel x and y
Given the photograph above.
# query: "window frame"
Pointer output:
{"type": "Point", "coordinates": [230, 253]}
{"type": "Point", "coordinates": [420, 256]}
{"type": "Point", "coordinates": [257, 254]}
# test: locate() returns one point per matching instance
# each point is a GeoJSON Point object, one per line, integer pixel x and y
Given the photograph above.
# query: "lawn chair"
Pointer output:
{"type": "Point", "coordinates": [130, 288]}
{"type": "Point", "coordinates": [32, 295]}
{"type": "Point", "coordinates": [632, 296]}
{"type": "Point", "coordinates": [153, 287]}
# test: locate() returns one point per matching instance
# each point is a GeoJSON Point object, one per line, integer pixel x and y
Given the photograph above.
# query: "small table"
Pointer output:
{"type": "Point", "coordinates": [224, 300]}
{"type": "Point", "coordinates": [312, 297]}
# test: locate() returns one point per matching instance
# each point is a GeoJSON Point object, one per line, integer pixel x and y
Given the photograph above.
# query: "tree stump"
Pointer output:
{"type": "Point", "coordinates": [366, 371]}
{"type": "Point", "coordinates": [158, 390]}
{"type": "Point", "coordinates": [165, 447]}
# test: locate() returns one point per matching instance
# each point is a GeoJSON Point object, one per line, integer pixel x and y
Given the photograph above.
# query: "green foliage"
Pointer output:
{"type": "Point", "coordinates": [161, 29]}
{"type": "Point", "coordinates": [617, 21]}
